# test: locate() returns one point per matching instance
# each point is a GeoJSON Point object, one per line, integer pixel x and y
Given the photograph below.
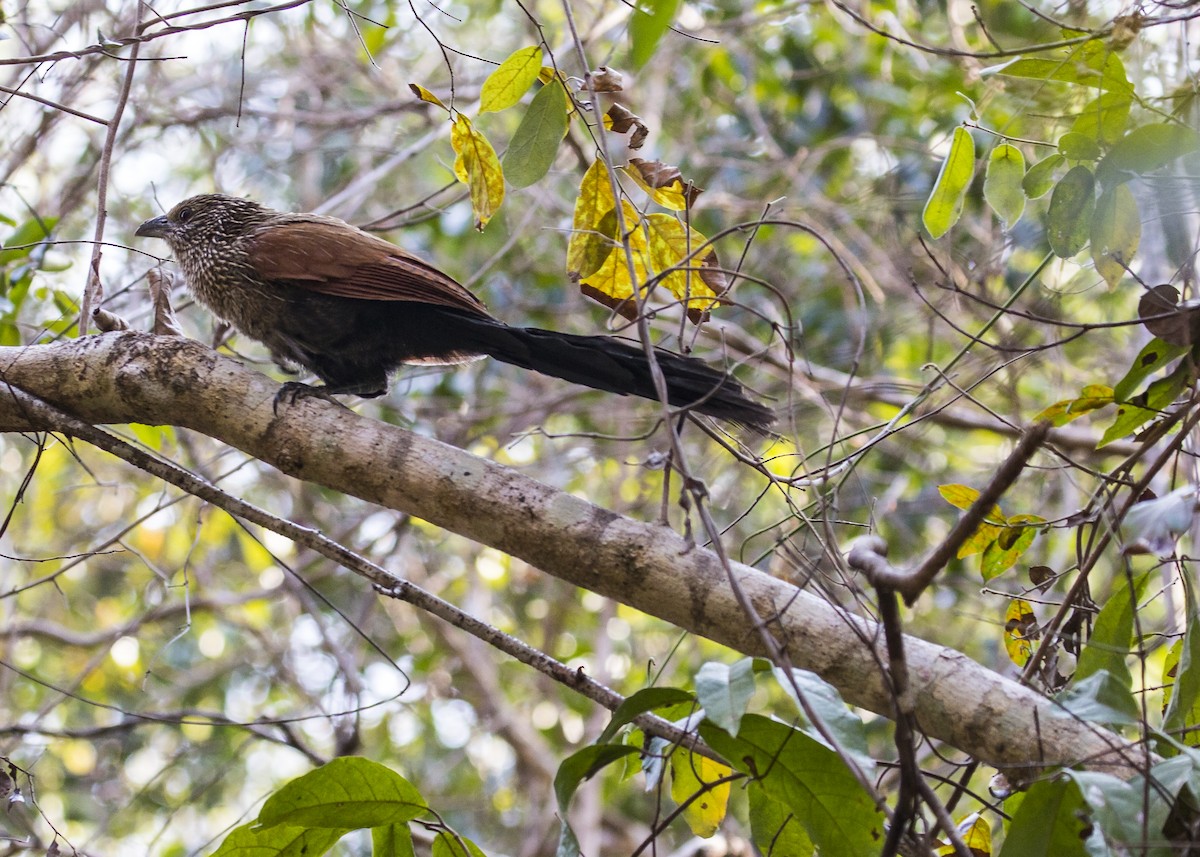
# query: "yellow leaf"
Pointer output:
{"type": "Point", "coordinates": [505, 86]}
{"type": "Point", "coordinates": [592, 241]}
{"type": "Point", "coordinates": [1020, 631]}
{"type": "Point", "coordinates": [964, 496]}
{"type": "Point", "coordinates": [976, 834]}
{"type": "Point", "coordinates": [612, 284]}
{"type": "Point", "coordinates": [693, 775]}
{"type": "Point", "coordinates": [672, 244]}
{"type": "Point", "coordinates": [426, 96]}
{"type": "Point", "coordinates": [664, 183]}
{"type": "Point", "coordinates": [477, 166]}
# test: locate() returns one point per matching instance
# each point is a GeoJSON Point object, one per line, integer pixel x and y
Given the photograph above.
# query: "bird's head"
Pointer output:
{"type": "Point", "coordinates": [210, 218]}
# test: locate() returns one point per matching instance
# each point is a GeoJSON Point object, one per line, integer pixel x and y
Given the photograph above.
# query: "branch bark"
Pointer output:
{"type": "Point", "coordinates": [135, 377]}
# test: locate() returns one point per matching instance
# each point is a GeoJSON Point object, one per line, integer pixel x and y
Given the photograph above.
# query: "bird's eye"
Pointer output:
{"type": "Point", "coordinates": [184, 215]}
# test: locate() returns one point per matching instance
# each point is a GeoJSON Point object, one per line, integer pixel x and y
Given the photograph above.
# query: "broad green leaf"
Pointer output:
{"type": "Point", "coordinates": [506, 85]}
{"type": "Point", "coordinates": [1099, 698]}
{"type": "Point", "coordinates": [1069, 220]}
{"type": "Point", "coordinates": [827, 704]}
{"type": "Point", "coordinates": [1040, 178]}
{"type": "Point", "coordinates": [647, 26]}
{"type": "Point", "coordinates": [1020, 631]}
{"type": "Point", "coordinates": [1051, 821]}
{"type": "Point", "coordinates": [724, 691]}
{"type": "Point", "coordinates": [1002, 183]}
{"type": "Point", "coordinates": [1129, 419]}
{"type": "Point", "coordinates": [283, 841]}
{"type": "Point", "coordinates": [946, 199]}
{"type": "Point", "coordinates": [1146, 149]}
{"type": "Point", "coordinates": [392, 840]}
{"type": "Point", "coordinates": [1116, 233]}
{"type": "Point", "coordinates": [25, 239]}
{"type": "Point", "coordinates": [1075, 146]}
{"type": "Point", "coordinates": [1112, 634]}
{"type": "Point", "coordinates": [535, 143]}
{"type": "Point", "coordinates": [1118, 808]}
{"type": "Point", "coordinates": [692, 774]}
{"type": "Point", "coordinates": [1084, 65]}
{"type": "Point", "coordinates": [775, 830]}
{"type": "Point", "coordinates": [344, 794]}
{"type": "Point", "coordinates": [1104, 118]}
{"type": "Point", "coordinates": [809, 779]}
{"type": "Point", "coordinates": [576, 768]}
{"type": "Point", "coordinates": [1154, 356]}
{"type": "Point", "coordinates": [646, 699]}
{"type": "Point", "coordinates": [446, 844]}
{"type": "Point", "coordinates": [1181, 680]}
{"type": "Point", "coordinates": [477, 166]}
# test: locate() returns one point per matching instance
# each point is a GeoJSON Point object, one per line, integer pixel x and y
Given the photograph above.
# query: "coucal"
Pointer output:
{"type": "Point", "coordinates": [351, 308]}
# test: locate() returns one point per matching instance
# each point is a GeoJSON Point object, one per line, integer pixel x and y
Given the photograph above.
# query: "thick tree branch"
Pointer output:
{"type": "Point", "coordinates": [134, 377]}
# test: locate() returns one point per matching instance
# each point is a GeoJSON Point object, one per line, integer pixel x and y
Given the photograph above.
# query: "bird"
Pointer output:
{"type": "Point", "coordinates": [352, 308]}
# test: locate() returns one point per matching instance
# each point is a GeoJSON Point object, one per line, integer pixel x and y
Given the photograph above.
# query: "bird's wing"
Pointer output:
{"type": "Point", "coordinates": [333, 258]}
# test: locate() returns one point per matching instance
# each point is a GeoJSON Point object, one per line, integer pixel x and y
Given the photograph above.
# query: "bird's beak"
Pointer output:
{"type": "Point", "coordinates": [155, 228]}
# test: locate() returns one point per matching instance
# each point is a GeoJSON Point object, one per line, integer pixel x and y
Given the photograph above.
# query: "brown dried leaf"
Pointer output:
{"type": "Point", "coordinates": [605, 79]}
{"type": "Point", "coordinates": [165, 323]}
{"type": "Point", "coordinates": [1162, 315]}
{"type": "Point", "coordinates": [664, 183]}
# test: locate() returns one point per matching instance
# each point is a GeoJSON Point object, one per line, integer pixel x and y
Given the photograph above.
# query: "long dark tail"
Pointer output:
{"type": "Point", "coordinates": [617, 366]}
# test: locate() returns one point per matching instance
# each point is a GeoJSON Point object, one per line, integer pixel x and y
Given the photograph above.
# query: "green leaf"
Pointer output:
{"type": "Point", "coordinates": [808, 778]}
{"type": "Point", "coordinates": [1002, 183]}
{"type": "Point", "coordinates": [1100, 698]}
{"type": "Point", "coordinates": [576, 768]}
{"type": "Point", "coordinates": [25, 239]}
{"type": "Point", "coordinates": [535, 143]}
{"type": "Point", "coordinates": [1091, 398]}
{"type": "Point", "coordinates": [775, 830]}
{"type": "Point", "coordinates": [344, 794]}
{"type": "Point", "coordinates": [825, 701]}
{"type": "Point", "coordinates": [724, 691]}
{"type": "Point", "coordinates": [1112, 634]}
{"type": "Point", "coordinates": [1104, 118]}
{"type": "Point", "coordinates": [447, 844]}
{"type": "Point", "coordinates": [392, 840]}
{"type": "Point", "coordinates": [506, 85]}
{"type": "Point", "coordinates": [1116, 233]}
{"type": "Point", "coordinates": [283, 841]}
{"type": "Point", "coordinates": [1003, 553]}
{"type": "Point", "coordinates": [1182, 688]}
{"type": "Point", "coordinates": [1050, 822]}
{"type": "Point", "coordinates": [946, 199]}
{"type": "Point", "coordinates": [1069, 220]}
{"type": "Point", "coordinates": [648, 25]}
{"type": "Point", "coordinates": [646, 699]}
{"type": "Point", "coordinates": [1129, 419]}
{"type": "Point", "coordinates": [1040, 178]}
{"type": "Point", "coordinates": [1155, 355]}
{"type": "Point", "coordinates": [1078, 147]}
{"type": "Point", "coordinates": [1090, 64]}
{"type": "Point", "coordinates": [1146, 149]}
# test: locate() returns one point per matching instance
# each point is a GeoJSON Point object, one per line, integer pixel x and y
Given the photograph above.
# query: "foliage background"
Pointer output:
{"type": "Point", "coordinates": [165, 668]}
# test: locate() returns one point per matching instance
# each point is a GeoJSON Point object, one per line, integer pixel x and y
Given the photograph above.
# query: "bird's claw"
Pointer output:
{"type": "Point", "coordinates": [291, 391]}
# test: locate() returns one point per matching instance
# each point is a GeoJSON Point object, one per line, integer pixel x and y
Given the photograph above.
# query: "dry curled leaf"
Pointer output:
{"type": "Point", "coordinates": [1163, 315]}
{"type": "Point", "coordinates": [621, 120]}
{"type": "Point", "coordinates": [165, 323]}
{"type": "Point", "coordinates": [664, 183]}
{"type": "Point", "coordinates": [605, 79]}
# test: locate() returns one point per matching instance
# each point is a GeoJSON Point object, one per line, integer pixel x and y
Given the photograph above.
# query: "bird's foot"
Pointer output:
{"type": "Point", "coordinates": [291, 391]}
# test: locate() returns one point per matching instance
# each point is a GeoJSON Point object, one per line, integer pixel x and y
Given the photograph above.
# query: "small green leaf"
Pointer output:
{"type": "Point", "coordinates": [1099, 698]}
{"type": "Point", "coordinates": [1181, 693]}
{"type": "Point", "coordinates": [946, 199]}
{"type": "Point", "coordinates": [506, 85]}
{"type": "Point", "coordinates": [576, 768]}
{"type": "Point", "coordinates": [284, 841]}
{"type": "Point", "coordinates": [1104, 118]}
{"type": "Point", "coordinates": [724, 691]}
{"type": "Point", "coordinates": [1069, 220]}
{"type": "Point", "coordinates": [646, 699]}
{"type": "Point", "coordinates": [1002, 183]}
{"type": "Point", "coordinates": [1116, 233]}
{"type": "Point", "coordinates": [648, 25]}
{"type": "Point", "coordinates": [1091, 398]}
{"type": "Point", "coordinates": [1091, 64]}
{"type": "Point", "coordinates": [1112, 634]}
{"type": "Point", "coordinates": [535, 143]}
{"type": "Point", "coordinates": [447, 844]}
{"type": "Point", "coordinates": [826, 703]}
{"type": "Point", "coordinates": [1078, 147]}
{"type": "Point", "coordinates": [1040, 178]}
{"type": "Point", "coordinates": [25, 239]}
{"type": "Point", "coordinates": [392, 840]}
{"type": "Point", "coordinates": [1129, 419]}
